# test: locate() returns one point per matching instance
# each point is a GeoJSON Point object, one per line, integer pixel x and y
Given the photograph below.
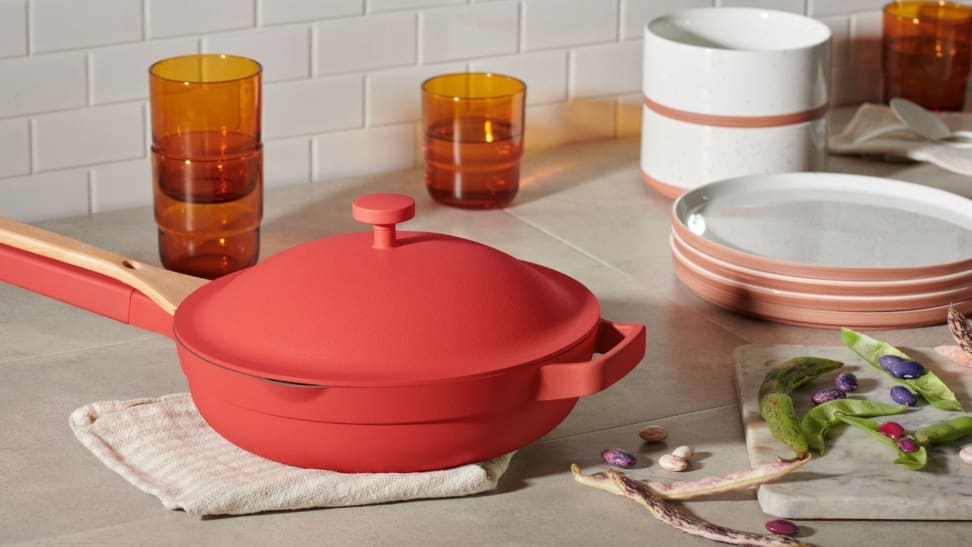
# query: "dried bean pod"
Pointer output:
{"type": "Point", "coordinates": [690, 524]}
{"type": "Point", "coordinates": [960, 328]}
{"type": "Point", "coordinates": [945, 432]}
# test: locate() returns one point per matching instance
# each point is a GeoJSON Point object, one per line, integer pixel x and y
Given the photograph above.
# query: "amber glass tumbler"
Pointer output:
{"type": "Point", "coordinates": [207, 162]}
{"type": "Point", "coordinates": [926, 53]}
{"type": "Point", "coordinates": [473, 126]}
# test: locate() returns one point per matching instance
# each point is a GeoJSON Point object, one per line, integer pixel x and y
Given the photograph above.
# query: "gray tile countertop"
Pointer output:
{"type": "Point", "coordinates": [582, 210]}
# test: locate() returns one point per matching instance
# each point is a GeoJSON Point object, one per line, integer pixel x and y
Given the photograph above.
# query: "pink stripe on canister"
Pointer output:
{"type": "Point", "coordinates": [719, 120]}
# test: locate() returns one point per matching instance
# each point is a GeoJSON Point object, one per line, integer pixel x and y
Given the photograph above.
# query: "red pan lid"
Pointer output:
{"type": "Point", "coordinates": [384, 307]}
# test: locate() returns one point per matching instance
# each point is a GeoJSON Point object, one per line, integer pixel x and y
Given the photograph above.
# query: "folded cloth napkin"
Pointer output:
{"type": "Point", "coordinates": [163, 447]}
{"type": "Point", "coordinates": [902, 144]}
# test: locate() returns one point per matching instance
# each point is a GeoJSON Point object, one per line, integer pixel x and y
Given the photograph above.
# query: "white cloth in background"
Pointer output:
{"type": "Point", "coordinates": [903, 144]}
{"type": "Point", "coordinates": [163, 447]}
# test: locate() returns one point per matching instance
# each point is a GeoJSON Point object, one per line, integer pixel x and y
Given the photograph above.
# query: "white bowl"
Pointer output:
{"type": "Point", "coordinates": [737, 63]}
{"type": "Point", "coordinates": [677, 155]}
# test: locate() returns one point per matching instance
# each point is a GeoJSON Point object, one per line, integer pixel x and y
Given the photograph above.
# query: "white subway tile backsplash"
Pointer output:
{"type": "Point", "coordinates": [15, 147]}
{"type": "Point", "coordinates": [605, 69]}
{"type": "Point", "coordinates": [13, 28]}
{"type": "Point", "coordinates": [121, 185]}
{"type": "Point", "coordinates": [69, 24]}
{"type": "Point", "coordinates": [311, 106]}
{"type": "Point", "coordinates": [561, 23]}
{"type": "Point", "coordinates": [396, 5]}
{"type": "Point", "coordinates": [341, 79]}
{"type": "Point", "coordinates": [469, 31]}
{"type": "Point", "coordinates": [795, 6]}
{"type": "Point", "coordinates": [395, 96]}
{"type": "Point", "coordinates": [85, 137]}
{"type": "Point", "coordinates": [289, 11]}
{"type": "Point", "coordinates": [388, 148]}
{"type": "Point", "coordinates": [120, 73]}
{"type": "Point", "coordinates": [284, 52]}
{"type": "Point", "coordinates": [865, 30]}
{"type": "Point", "coordinates": [835, 7]}
{"type": "Point", "coordinates": [286, 162]}
{"type": "Point", "coordinates": [840, 39]}
{"type": "Point", "coordinates": [178, 17]}
{"type": "Point", "coordinates": [45, 196]}
{"type": "Point", "coordinates": [636, 14]}
{"type": "Point", "coordinates": [544, 72]}
{"type": "Point", "coordinates": [364, 43]}
{"type": "Point", "coordinates": [42, 83]}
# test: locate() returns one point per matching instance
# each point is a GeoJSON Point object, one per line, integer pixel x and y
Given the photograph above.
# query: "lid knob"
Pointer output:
{"type": "Point", "coordinates": [383, 212]}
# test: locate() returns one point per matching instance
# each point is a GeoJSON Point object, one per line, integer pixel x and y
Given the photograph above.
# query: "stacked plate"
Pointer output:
{"type": "Point", "coordinates": [825, 249]}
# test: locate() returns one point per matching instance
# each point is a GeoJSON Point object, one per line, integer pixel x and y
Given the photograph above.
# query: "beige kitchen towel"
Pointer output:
{"type": "Point", "coordinates": [902, 144]}
{"type": "Point", "coordinates": [163, 447]}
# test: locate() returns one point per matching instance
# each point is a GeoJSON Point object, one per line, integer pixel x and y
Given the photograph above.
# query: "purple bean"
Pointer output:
{"type": "Point", "coordinates": [827, 394]}
{"type": "Point", "coordinates": [903, 396]}
{"type": "Point", "coordinates": [886, 361]}
{"type": "Point", "coordinates": [619, 458]}
{"type": "Point", "coordinates": [907, 369]}
{"type": "Point", "coordinates": [907, 445]}
{"type": "Point", "coordinates": [846, 381]}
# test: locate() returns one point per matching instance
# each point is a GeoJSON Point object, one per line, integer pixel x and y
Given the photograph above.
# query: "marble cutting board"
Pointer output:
{"type": "Point", "coordinates": [856, 477]}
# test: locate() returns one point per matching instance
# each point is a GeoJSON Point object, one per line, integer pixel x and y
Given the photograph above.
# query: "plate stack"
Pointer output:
{"type": "Point", "coordinates": [826, 250]}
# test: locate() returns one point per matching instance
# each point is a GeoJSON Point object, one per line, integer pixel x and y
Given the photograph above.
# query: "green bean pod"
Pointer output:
{"type": "Point", "coordinates": [776, 405]}
{"type": "Point", "coordinates": [945, 432]}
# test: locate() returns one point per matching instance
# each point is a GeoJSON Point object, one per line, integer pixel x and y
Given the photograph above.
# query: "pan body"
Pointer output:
{"type": "Point", "coordinates": [397, 428]}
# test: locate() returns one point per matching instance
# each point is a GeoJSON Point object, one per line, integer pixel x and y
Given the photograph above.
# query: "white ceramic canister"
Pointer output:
{"type": "Point", "coordinates": [732, 91]}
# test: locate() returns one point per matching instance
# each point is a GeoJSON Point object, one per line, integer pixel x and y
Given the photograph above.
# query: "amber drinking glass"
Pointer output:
{"type": "Point", "coordinates": [473, 126]}
{"type": "Point", "coordinates": [207, 162]}
{"type": "Point", "coordinates": [926, 53]}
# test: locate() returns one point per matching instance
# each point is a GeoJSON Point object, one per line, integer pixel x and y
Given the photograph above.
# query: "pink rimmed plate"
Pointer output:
{"type": "Point", "coordinates": [747, 292]}
{"type": "Point", "coordinates": [955, 283]}
{"type": "Point", "coordinates": [829, 226]}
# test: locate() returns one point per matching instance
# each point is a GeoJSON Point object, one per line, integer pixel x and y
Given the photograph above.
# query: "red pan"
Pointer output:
{"type": "Point", "coordinates": [372, 351]}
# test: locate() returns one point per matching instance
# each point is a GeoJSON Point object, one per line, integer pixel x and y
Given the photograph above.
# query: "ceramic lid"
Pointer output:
{"type": "Point", "coordinates": [384, 307]}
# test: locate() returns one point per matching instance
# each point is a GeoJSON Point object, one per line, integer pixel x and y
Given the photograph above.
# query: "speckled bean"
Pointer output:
{"type": "Point", "coordinates": [684, 452]}
{"type": "Point", "coordinates": [671, 462]}
{"type": "Point", "coordinates": [846, 381]}
{"type": "Point", "coordinates": [828, 394]}
{"type": "Point", "coordinates": [619, 458]}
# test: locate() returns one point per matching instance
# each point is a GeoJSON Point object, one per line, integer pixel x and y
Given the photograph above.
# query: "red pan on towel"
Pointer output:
{"type": "Point", "coordinates": [362, 352]}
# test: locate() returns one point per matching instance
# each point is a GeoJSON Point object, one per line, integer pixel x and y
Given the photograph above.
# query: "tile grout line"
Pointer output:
{"type": "Point", "coordinates": [86, 349]}
{"type": "Point", "coordinates": [680, 415]}
{"type": "Point", "coordinates": [570, 244]}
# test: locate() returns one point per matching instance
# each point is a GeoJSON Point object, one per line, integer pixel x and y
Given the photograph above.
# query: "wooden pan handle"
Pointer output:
{"type": "Point", "coordinates": [165, 288]}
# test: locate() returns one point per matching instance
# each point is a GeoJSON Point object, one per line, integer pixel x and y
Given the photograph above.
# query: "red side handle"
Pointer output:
{"type": "Point", "coordinates": [621, 345]}
{"type": "Point", "coordinates": [82, 288]}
